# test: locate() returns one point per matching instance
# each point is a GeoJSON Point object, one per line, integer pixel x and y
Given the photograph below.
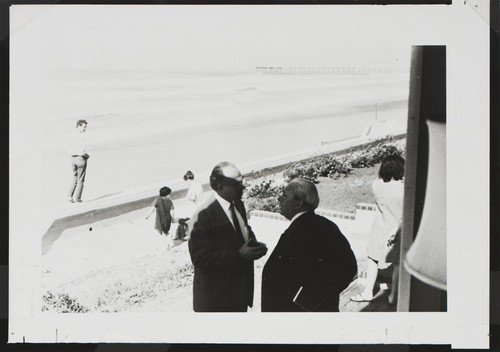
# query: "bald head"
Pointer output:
{"type": "Point", "coordinates": [227, 181]}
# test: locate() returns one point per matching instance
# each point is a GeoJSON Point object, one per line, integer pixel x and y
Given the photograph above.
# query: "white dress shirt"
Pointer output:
{"type": "Point", "coordinates": [77, 143]}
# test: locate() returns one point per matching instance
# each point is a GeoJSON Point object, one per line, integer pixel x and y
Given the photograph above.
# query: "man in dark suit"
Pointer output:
{"type": "Point", "coordinates": [312, 262]}
{"type": "Point", "coordinates": [223, 247]}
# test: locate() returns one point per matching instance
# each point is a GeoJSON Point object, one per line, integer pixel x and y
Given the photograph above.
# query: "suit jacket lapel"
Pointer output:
{"type": "Point", "coordinates": [241, 208]}
{"type": "Point", "coordinates": [221, 214]}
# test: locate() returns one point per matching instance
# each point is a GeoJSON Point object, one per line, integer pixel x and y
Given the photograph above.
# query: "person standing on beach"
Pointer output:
{"type": "Point", "coordinates": [223, 246]}
{"type": "Point", "coordinates": [312, 262]}
{"type": "Point", "coordinates": [79, 158]}
{"type": "Point", "coordinates": [164, 211]}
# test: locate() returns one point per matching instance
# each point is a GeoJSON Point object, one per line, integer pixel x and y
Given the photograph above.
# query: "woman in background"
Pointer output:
{"type": "Point", "coordinates": [383, 246]}
{"type": "Point", "coordinates": [164, 211]}
{"type": "Point", "coordinates": [194, 199]}
{"type": "Point", "coordinates": [194, 193]}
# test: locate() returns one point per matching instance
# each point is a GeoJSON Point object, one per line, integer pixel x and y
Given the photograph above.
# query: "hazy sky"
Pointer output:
{"type": "Point", "coordinates": [199, 37]}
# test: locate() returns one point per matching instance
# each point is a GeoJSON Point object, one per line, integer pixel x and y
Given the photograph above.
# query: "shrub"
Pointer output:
{"type": "Point", "coordinates": [336, 166]}
{"type": "Point", "coordinates": [61, 303]}
{"type": "Point", "coordinates": [375, 154]}
{"type": "Point", "coordinates": [267, 204]}
{"type": "Point", "coordinates": [266, 188]}
{"type": "Point", "coordinates": [314, 168]}
{"type": "Point", "coordinates": [305, 169]}
{"type": "Point", "coordinates": [263, 196]}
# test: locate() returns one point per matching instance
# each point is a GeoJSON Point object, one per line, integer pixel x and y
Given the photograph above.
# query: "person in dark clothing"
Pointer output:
{"type": "Point", "coordinates": [312, 262]}
{"type": "Point", "coordinates": [223, 246]}
{"type": "Point", "coordinates": [164, 211]}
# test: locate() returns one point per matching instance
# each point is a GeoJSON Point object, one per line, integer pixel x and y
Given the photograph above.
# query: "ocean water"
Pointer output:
{"type": "Point", "coordinates": [149, 127]}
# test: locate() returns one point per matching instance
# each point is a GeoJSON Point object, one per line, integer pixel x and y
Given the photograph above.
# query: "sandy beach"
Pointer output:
{"type": "Point", "coordinates": [148, 128]}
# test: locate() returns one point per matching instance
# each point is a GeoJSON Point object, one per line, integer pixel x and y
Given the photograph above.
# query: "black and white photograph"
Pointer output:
{"type": "Point", "coordinates": [183, 173]}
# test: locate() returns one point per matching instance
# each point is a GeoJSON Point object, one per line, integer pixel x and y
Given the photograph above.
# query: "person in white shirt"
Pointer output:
{"type": "Point", "coordinates": [194, 193]}
{"type": "Point", "coordinates": [79, 159]}
{"type": "Point", "coordinates": [384, 244]}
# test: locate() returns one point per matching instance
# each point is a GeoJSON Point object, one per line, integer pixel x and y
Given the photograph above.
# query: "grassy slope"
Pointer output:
{"type": "Point", "coordinates": [125, 287]}
{"type": "Point", "coordinates": [344, 193]}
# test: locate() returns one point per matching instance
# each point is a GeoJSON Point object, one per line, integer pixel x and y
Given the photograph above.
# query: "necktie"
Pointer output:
{"type": "Point", "coordinates": [235, 221]}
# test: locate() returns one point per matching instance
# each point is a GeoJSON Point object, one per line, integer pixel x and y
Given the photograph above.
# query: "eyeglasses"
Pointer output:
{"type": "Point", "coordinates": [233, 184]}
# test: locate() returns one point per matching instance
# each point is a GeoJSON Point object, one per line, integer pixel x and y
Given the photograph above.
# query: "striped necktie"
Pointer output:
{"type": "Point", "coordinates": [235, 221]}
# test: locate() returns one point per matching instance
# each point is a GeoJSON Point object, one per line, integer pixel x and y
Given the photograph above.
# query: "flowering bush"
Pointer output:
{"type": "Point", "coordinates": [264, 189]}
{"type": "Point", "coordinates": [263, 196]}
{"type": "Point", "coordinates": [336, 166]}
{"type": "Point", "coordinates": [375, 154]}
{"type": "Point", "coordinates": [310, 170]}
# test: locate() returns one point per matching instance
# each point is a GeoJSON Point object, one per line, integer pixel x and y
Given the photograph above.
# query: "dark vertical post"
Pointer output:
{"type": "Point", "coordinates": [412, 145]}
{"type": "Point", "coordinates": [494, 174]}
{"type": "Point", "coordinates": [427, 102]}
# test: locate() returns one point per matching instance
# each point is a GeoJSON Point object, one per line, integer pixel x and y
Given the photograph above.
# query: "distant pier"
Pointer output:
{"type": "Point", "coordinates": [343, 70]}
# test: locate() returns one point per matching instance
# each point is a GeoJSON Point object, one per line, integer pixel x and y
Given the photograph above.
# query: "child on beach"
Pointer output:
{"type": "Point", "coordinates": [164, 211]}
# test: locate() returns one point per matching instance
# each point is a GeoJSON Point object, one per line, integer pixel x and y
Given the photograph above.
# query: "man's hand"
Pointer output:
{"type": "Point", "coordinates": [252, 250]}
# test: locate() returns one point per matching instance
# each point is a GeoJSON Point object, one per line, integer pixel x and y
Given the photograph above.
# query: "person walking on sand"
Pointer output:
{"type": "Point", "coordinates": [79, 158]}
{"type": "Point", "coordinates": [223, 246]}
{"type": "Point", "coordinates": [164, 211]}
{"type": "Point", "coordinates": [384, 243]}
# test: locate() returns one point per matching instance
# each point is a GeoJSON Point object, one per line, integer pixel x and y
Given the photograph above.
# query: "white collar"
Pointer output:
{"type": "Point", "coordinates": [224, 203]}
{"type": "Point", "coordinates": [297, 215]}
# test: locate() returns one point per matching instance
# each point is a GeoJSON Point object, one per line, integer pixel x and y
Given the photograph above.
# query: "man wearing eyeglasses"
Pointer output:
{"type": "Point", "coordinates": [223, 247]}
